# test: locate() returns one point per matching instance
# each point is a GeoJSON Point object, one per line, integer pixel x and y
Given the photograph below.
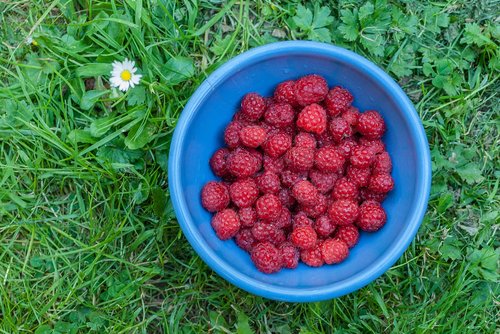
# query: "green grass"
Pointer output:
{"type": "Point", "coordinates": [88, 239]}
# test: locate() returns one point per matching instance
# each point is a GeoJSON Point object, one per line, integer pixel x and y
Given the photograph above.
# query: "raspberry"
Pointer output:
{"type": "Point", "coordinates": [285, 93]}
{"type": "Point", "coordinates": [304, 237]}
{"type": "Point", "coordinates": [368, 195]}
{"type": "Point", "coordinates": [273, 165]}
{"type": "Point", "coordinates": [277, 145]}
{"type": "Point", "coordinates": [263, 231]}
{"type": "Point", "coordinates": [351, 115]}
{"type": "Point", "coordinates": [371, 124]}
{"type": "Point", "coordinates": [305, 193]}
{"type": "Point", "coordinates": [253, 106]}
{"type": "Point", "coordinates": [317, 209]}
{"type": "Point", "coordinates": [280, 115]}
{"type": "Point", "coordinates": [376, 145]}
{"type": "Point", "coordinates": [371, 217]}
{"type": "Point", "coordinates": [268, 183]}
{"type": "Point", "coordinates": [338, 100]}
{"type": "Point", "coordinates": [310, 89]}
{"type": "Point", "coordinates": [248, 216]}
{"type": "Point", "coordinates": [300, 159]}
{"type": "Point", "coordinates": [334, 251]}
{"type": "Point", "coordinates": [214, 196]}
{"type": "Point", "coordinates": [348, 234]}
{"type": "Point", "coordinates": [268, 207]}
{"type": "Point", "coordinates": [343, 212]}
{"type": "Point", "coordinates": [362, 157]}
{"type": "Point", "coordinates": [339, 129]}
{"type": "Point", "coordinates": [382, 164]}
{"type": "Point", "coordinates": [284, 220]}
{"type": "Point", "coordinates": [289, 255]}
{"type": "Point", "coordinates": [244, 193]}
{"type": "Point", "coordinates": [359, 176]}
{"type": "Point", "coordinates": [252, 136]}
{"type": "Point", "coordinates": [301, 219]}
{"type": "Point", "coordinates": [381, 183]}
{"type": "Point", "coordinates": [266, 257]}
{"type": "Point", "coordinates": [328, 159]}
{"type": "Point", "coordinates": [232, 134]}
{"type": "Point", "coordinates": [218, 162]}
{"type": "Point", "coordinates": [242, 163]}
{"type": "Point", "coordinates": [226, 224]}
{"type": "Point", "coordinates": [345, 189]}
{"type": "Point", "coordinates": [346, 147]}
{"type": "Point", "coordinates": [312, 119]}
{"type": "Point", "coordinates": [324, 226]}
{"type": "Point", "coordinates": [286, 198]}
{"type": "Point", "coordinates": [304, 139]}
{"type": "Point", "coordinates": [312, 257]}
{"type": "Point", "coordinates": [325, 139]}
{"type": "Point", "coordinates": [289, 178]}
{"type": "Point", "coordinates": [324, 182]}
{"type": "Point", "coordinates": [244, 239]}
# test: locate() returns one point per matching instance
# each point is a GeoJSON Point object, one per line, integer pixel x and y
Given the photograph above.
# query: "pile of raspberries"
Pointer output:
{"type": "Point", "coordinates": [302, 173]}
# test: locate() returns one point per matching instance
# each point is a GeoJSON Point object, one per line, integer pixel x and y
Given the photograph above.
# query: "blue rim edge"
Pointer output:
{"type": "Point", "coordinates": [253, 286]}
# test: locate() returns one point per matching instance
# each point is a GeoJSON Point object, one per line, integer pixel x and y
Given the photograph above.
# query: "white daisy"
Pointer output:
{"type": "Point", "coordinates": [123, 75]}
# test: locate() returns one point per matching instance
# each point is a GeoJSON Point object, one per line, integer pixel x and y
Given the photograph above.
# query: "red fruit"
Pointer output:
{"type": "Point", "coordinates": [253, 106]}
{"type": "Point", "coordinates": [324, 182]}
{"type": "Point", "coordinates": [242, 163]}
{"type": "Point", "coordinates": [268, 207]}
{"type": "Point", "coordinates": [382, 164]}
{"type": "Point", "coordinates": [371, 124]}
{"type": "Point", "coordinates": [381, 183]}
{"type": "Point", "coordinates": [214, 196]}
{"type": "Point", "coordinates": [345, 189]}
{"type": "Point", "coordinates": [317, 209]}
{"type": "Point", "coordinates": [226, 224]}
{"type": "Point", "coordinates": [285, 93]}
{"type": "Point", "coordinates": [304, 139]}
{"type": "Point", "coordinates": [376, 145]}
{"type": "Point", "coordinates": [359, 176]}
{"type": "Point", "coordinates": [301, 219]}
{"type": "Point", "coordinates": [312, 257]}
{"type": "Point", "coordinates": [310, 89]}
{"type": "Point", "coordinates": [368, 195]}
{"type": "Point", "coordinates": [362, 157]}
{"type": "Point", "coordinates": [244, 192]}
{"type": "Point", "coordinates": [286, 198]}
{"type": "Point", "coordinates": [300, 159]}
{"type": "Point", "coordinates": [339, 129]}
{"type": "Point", "coordinates": [280, 115]}
{"type": "Point", "coordinates": [338, 100]}
{"type": "Point", "coordinates": [305, 193]}
{"type": "Point", "coordinates": [325, 139]}
{"type": "Point", "coordinates": [245, 240]}
{"type": "Point", "coordinates": [218, 162]}
{"type": "Point", "coordinates": [248, 216]}
{"type": "Point", "coordinates": [289, 255]}
{"type": "Point", "coordinates": [343, 212]}
{"type": "Point", "coordinates": [289, 178]}
{"type": "Point", "coordinates": [328, 159]}
{"type": "Point", "coordinates": [371, 217]}
{"type": "Point", "coordinates": [273, 165]}
{"type": "Point", "coordinates": [266, 257]}
{"type": "Point", "coordinates": [284, 220]}
{"type": "Point", "coordinates": [263, 231]}
{"type": "Point", "coordinates": [324, 226]}
{"type": "Point", "coordinates": [252, 136]}
{"type": "Point", "coordinates": [334, 251]}
{"type": "Point", "coordinates": [312, 119]}
{"type": "Point", "coordinates": [277, 145]}
{"type": "Point", "coordinates": [351, 115]}
{"type": "Point", "coordinates": [268, 183]}
{"type": "Point", "coordinates": [232, 134]}
{"type": "Point", "coordinates": [348, 234]}
{"type": "Point", "coordinates": [304, 237]}
{"type": "Point", "coordinates": [346, 147]}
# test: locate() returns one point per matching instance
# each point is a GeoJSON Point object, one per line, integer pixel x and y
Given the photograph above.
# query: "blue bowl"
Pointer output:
{"type": "Point", "coordinates": [199, 134]}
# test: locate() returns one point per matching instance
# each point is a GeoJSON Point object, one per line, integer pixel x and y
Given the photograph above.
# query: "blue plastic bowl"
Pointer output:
{"type": "Point", "coordinates": [199, 134]}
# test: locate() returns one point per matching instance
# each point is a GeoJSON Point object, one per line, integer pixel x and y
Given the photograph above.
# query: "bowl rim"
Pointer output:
{"type": "Point", "coordinates": [366, 275]}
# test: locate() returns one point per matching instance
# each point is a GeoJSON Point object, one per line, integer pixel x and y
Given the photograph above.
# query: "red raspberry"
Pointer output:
{"type": "Point", "coordinates": [351, 115]}
{"type": "Point", "coordinates": [285, 93]}
{"type": "Point", "coordinates": [263, 231]}
{"type": "Point", "coordinates": [368, 195]}
{"type": "Point", "coordinates": [289, 178]}
{"type": "Point", "coordinates": [218, 162]}
{"type": "Point", "coordinates": [266, 257]}
{"type": "Point", "coordinates": [382, 164]}
{"type": "Point", "coordinates": [376, 145]}
{"type": "Point", "coordinates": [240, 117]}
{"type": "Point", "coordinates": [312, 119]}
{"type": "Point", "coordinates": [268, 183]}
{"type": "Point", "coordinates": [277, 145]}
{"type": "Point", "coordinates": [317, 209]}
{"type": "Point", "coordinates": [325, 139]}
{"type": "Point", "coordinates": [310, 89]}
{"type": "Point", "coordinates": [232, 134]}
{"type": "Point", "coordinates": [226, 224]}
{"type": "Point", "coordinates": [348, 234]}
{"type": "Point", "coordinates": [340, 129]}
{"type": "Point", "coordinates": [242, 163]}
{"type": "Point", "coordinates": [304, 237]}
{"type": "Point", "coordinates": [371, 217]}
{"type": "Point", "coordinates": [346, 147]}
{"type": "Point", "coordinates": [300, 159]}
{"type": "Point", "coordinates": [305, 193]}
{"type": "Point", "coordinates": [248, 216]}
{"type": "Point", "coordinates": [289, 255]}
{"type": "Point", "coordinates": [245, 240]}
{"type": "Point", "coordinates": [280, 115]}
{"type": "Point", "coordinates": [328, 159]}
{"type": "Point", "coordinates": [253, 106]}
{"type": "Point", "coordinates": [338, 100]}
{"type": "Point", "coordinates": [268, 207]}
{"type": "Point", "coordinates": [273, 165]}
{"type": "Point", "coordinates": [244, 193]}
{"type": "Point", "coordinates": [304, 139]}
{"type": "Point", "coordinates": [214, 196]}
{"type": "Point", "coordinates": [358, 176]}
{"type": "Point", "coordinates": [371, 124]}
{"type": "Point", "coordinates": [284, 220]}
{"type": "Point", "coordinates": [252, 136]}
{"type": "Point", "coordinates": [343, 212]}
{"type": "Point", "coordinates": [301, 219]}
{"type": "Point", "coordinates": [312, 257]}
{"type": "Point", "coordinates": [362, 157]}
{"type": "Point", "coordinates": [381, 183]}
{"type": "Point", "coordinates": [324, 226]}
{"type": "Point", "coordinates": [334, 251]}
{"type": "Point", "coordinates": [286, 198]}
{"type": "Point", "coordinates": [345, 189]}
{"type": "Point", "coordinates": [324, 182]}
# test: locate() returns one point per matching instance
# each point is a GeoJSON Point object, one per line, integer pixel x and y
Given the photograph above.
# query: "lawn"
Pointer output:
{"type": "Point", "coordinates": [89, 242]}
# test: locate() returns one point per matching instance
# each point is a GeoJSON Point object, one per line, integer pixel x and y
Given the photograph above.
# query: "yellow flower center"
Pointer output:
{"type": "Point", "coordinates": [126, 75]}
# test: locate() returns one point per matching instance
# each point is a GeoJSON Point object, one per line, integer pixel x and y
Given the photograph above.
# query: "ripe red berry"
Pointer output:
{"type": "Point", "coordinates": [300, 159]}
{"type": "Point", "coordinates": [242, 163]}
{"type": "Point", "coordinates": [277, 145]}
{"type": "Point", "coordinates": [305, 193]}
{"type": "Point", "coordinates": [371, 217]}
{"type": "Point", "coordinates": [328, 159]}
{"type": "Point", "coordinates": [334, 251]}
{"type": "Point", "coordinates": [348, 234]}
{"type": "Point", "coordinates": [300, 219]}
{"type": "Point", "coordinates": [310, 89]}
{"type": "Point", "coordinates": [218, 162]}
{"type": "Point", "coordinates": [252, 136]}
{"type": "Point", "coordinates": [312, 257]}
{"type": "Point", "coordinates": [359, 176]}
{"type": "Point", "coordinates": [285, 93]}
{"type": "Point", "coordinates": [286, 198]}
{"type": "Point", "coordinates": [248, 216]}
{"type": "Point", "coordinates": [304, 237]}
{"type": "Point", "coordinates": [279, 115]}
{"type": "Point", "coordinates": [266, 257]}
{"type": "Point", "coordinates": [284, 220]}
{"type": "Point", "coordinates": [371, 124]}
{"type": "Point", "coordinates": [381, 183]}
{"type": "Point", "coordinates": [289, 178]}
{"type": "Point", "coordinates": [346, 147]}
{"type": "Point", "coordinates": [214, 196]}
{"type": "Point", "coordinates": [244, 239]}
{"type": "Point", "coordinates": [368, 195]}
{"type": "Point", "coordinates": [345, 189]}
{"type": "Point", "coordinates": [268, 207]}
{"type": "Point", "coordinates": [351, 115]}
{"type": "Point", "coordinates": [312, 119]}
{"type": "Point", "coordinates": [244, 192]}
{"type": "Point", "coordinates": [253, 106]}
{"type": "Point", "coordinates": [343, 212]}
{"type": "Point", "coordinates": [338, 100]}
{"type": "Point", "coordinates": [273, 165]}
{"type": "Point", "coordinates": [362, 157]}
{"type": "Point", "coordinates": [324, 182]}
{"type": "Point", "coordinates": [268, 182]}
{"type": "Point", "coordinates": [232, 134]}
{"type": "Point", "coordinates": [226, 224]}
{"type": "Point", "coordinates": [324, 226]}
{"type": "Point", "coordinates": [339, 129]}
{"type": "Point", "coordinates": [263, 231]}
{"type": "Point", "coordinates": [289, 255]}
{"type": "Point", "coordinates": [304, 139]}
{"type": "Point", "coordinates": [317, 209]}
{"type": "Point", "coordinates": [382, 164]}
{"type": "Point", "coordinates": [376, 145]}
